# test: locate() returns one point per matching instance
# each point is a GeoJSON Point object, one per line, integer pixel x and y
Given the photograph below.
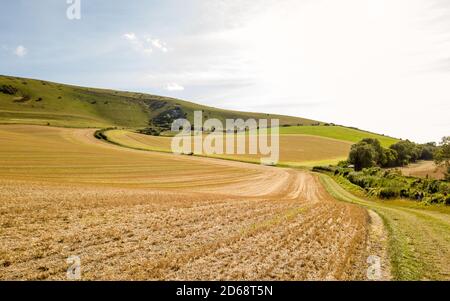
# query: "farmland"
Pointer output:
{"type": "Point", "coordinates": [131, 210]}
{"type": "Point", "coordinates": [337, 132]}
{"type": "Point", "coordinates": [295, 150]}
{"type": "Point", "coordinates": [424, 169]}
{"type": "Point", "coordinates": [130, 214]}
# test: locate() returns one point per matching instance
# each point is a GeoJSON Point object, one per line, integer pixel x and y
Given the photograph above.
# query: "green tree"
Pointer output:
{"type": "Point", "coordinates": [390, 158]}
{"type": "Point", "coordinates": [363, 155]}
{"type": "Point", "coordinates": [375, 143]}
{"type": "Point", "coordinates": [442, 155]}
{"type": "Point", "coordinates": [407, 152]}
{"type": "Point", "coordinates": [428, 151]}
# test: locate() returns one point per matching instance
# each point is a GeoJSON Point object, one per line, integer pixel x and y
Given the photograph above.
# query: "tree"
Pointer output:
{"type": "Point", "coordinates": [428, 151]}
{"type": "Point", "coordinates": [363, 155]}
{"type": "Point", "coordinates": [379, 159]}
{"type": "Point", "coordinates": [390, 158]}
{"type": "Point", "coordinates": [442, 155]}
{"type": "Point", "coordinates": [407, 152]}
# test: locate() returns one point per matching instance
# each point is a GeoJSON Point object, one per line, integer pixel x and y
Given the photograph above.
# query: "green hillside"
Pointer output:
{"type": "Point", "coordinates": [29, 101]}
{"type": "Point", "coordinates": [337, 132]}
{"type": "Point", "coordinates": [41, 102]}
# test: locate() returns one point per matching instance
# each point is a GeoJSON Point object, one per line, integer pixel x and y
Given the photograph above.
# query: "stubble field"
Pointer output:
{"type": "Point", "coordinates": [295, 150]}
{"type": "Point", "coordinates": [130, 214]}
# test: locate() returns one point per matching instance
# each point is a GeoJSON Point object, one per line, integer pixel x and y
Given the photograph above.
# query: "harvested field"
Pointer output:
{"type": "Point", "coordinates": [294, 149]}
{"type": "Point", "coordinates": [424, 169]}
{"type": "Point", "coordinates": [130, 214]}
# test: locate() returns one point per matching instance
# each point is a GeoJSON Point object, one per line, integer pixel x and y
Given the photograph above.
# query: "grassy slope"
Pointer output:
{"type": "Point", "coordinates": [64, 105]}
{"type": "Point", "coordinates": [71, 106]}
{"type": "Point", "coordinates": [337, 132]}
{"type": "Point", "coordinates": [419, 237]}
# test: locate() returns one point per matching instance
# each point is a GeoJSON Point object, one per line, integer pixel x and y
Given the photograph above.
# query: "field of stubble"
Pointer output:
{"type": "Point", "coordinates": [140, 215]}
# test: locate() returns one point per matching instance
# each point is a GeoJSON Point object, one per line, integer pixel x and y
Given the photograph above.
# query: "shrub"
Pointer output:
{"type": "Point", "coordinates": [8, 89]}
{"type": "Point", "coordinates": [323, 169]}
{"type": "Point", "coordinates": [388, 184]}
{"type": "Point", "coordinates": [388, 193]}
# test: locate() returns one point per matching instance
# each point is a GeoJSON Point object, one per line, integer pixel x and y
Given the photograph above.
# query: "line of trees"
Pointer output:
{"type": "Point", "coordinates": [369, 153]}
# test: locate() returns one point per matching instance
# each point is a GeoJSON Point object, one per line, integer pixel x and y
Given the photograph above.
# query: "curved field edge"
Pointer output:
{"type": "Point", "coordinates": [419, 238]}
{"type": "Point", "coordinates": [295, 150]}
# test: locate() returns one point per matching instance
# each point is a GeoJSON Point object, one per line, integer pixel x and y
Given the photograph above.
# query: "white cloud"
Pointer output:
{"type": "Point", "coordinates": [173, 87]}
{"type": "Point", "coordinates": [158, 44]}
{"type": "Point", "coordinates": [137, 44]}
{"type": "Point", "coordinates": [20, 51]}
{"type": "Point", "coordinates": [145, 45]}
{"type": "Point", "coordinates": [130, 36]}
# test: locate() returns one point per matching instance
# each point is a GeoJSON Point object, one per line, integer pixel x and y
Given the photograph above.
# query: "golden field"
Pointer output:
{"type": "Point", "coordinates": [295, 150]}
{"type": "Point", "coordinates": [131, 214]}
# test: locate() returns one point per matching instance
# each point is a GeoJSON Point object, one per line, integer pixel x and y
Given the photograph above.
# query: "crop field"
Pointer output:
{"type": "Point", "coordinates": [424, 169]}
{"type": "Point", "coordinates": [295, 150]}
{"type": "Point", "coordinates": [130, 214]}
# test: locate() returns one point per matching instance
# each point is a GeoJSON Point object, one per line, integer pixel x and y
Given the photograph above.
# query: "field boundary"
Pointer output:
{"type": "Point", "coordinates": [418, 236]}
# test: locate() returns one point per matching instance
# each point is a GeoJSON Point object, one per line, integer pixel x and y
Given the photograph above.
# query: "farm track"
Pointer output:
{"type": "Point", "coordinates": [135, 215]}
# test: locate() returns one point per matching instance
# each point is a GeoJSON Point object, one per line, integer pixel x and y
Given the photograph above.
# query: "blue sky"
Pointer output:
{"type": "Point", "coordinates": [381, 65]}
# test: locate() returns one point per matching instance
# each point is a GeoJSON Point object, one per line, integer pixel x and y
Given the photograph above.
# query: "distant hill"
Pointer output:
{"type": "Point", "coordinates": [30, 101]}
{"type": "Point", "coordinates": [41, 102]}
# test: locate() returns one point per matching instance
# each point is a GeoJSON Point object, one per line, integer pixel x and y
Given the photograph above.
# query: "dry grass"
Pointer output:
{"type": "Point", "coordinates": [424, 169]}
{"type": "Point", "coordinates": [294, 149]}
{"type": "Point", "coordinates": [139, 215]}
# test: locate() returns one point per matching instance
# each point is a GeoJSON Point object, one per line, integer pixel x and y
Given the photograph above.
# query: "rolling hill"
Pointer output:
{"type": "Point", "coordinates": [40, 102]}
{"type": "Point", "coordinates": [304, 142]}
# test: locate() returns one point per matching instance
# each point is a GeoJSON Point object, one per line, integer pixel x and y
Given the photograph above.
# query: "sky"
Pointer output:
{"type": "Point", "coordinates": [379, 65]}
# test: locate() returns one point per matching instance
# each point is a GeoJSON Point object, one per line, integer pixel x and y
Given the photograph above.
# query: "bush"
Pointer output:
{"type": "Point", "coordinates": [8, 89]}
{"type": "Point", "coordinates": [388, 184]}
{"type": "Point", "coordinates": [389, 193]}
{"type": "Point", "coordinates": [150, 131]}
{"type": "Point", "coordinates": [323, 169]}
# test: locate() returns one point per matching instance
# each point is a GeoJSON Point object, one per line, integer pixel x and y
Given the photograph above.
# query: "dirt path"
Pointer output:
{"type": "Point", "coordinates": [419, 241]}
{"type": "Point", "coordinates": [138, 215]}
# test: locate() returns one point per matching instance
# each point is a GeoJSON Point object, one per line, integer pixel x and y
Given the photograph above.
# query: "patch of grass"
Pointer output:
{"type": "Point", "coordinates": [337, 132]}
